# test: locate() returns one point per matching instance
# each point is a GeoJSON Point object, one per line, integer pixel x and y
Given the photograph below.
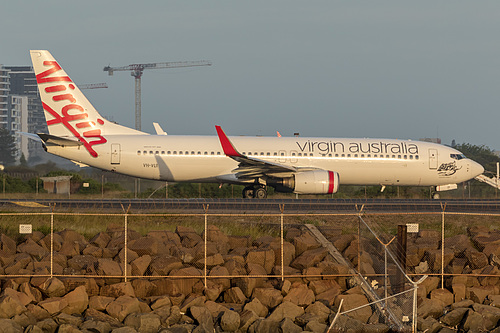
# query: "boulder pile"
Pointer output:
{"type": "Point", "coordinates": [166, 291]}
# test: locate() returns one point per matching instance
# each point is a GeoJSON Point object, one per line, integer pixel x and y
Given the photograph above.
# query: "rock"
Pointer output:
{"type": "Point", "coordinates": [77, 301]}
{"type": "Point", "coordinates": [185, 286]}
{"type": "Point", "coordinates": [459, 292]}
{"type": "Point", "coordinates": [262, 257]}
{"type": "Point", "coordinates": [192, 300]}
{"type": "Point", "coordinates": [490, 314]}
{"type": "Point", "coordinates": [10, 306]}
{"type": "Point", "coordinates": [316, 326]}
{"type": "Point", "coordinates": [269, 297]}
{"type": "Point", "coordinates": [22, 298]}
{"type": "Point", "coordinates": [174, 317]}
{"type": "Point", "coordinates": [118, 289]}
{"type": "Point", "coordinates": [96, 326]}
{"type": "Point", "coordinates": [163, 265]}
{"type": "Point", "coordinates": [108, 267]}
{"type": "Point", "coordinates": [143, 288]}
{"type": "Point", "coordinates": [122, 307]}
{"type": "Point", "coordinates": [230, 321]}
{"type": "Point", "coordinates": [100, 240]}
{"type": "Point", "coordinates": [288, 252]}
{"type": "Point", "coordinates": [247, 318]}
{"type": "Point", "coordinates": [100, 303]}
{"type": "Point", "coordinates": [34, 294]}
{"type": "Point", "coordinates": [10, 326]}
{"type": "Point", "coordinates": [353, 301]}
{"type": "Point", "coordinates": [474, 322]}
{"type": "Point", "coordinates": [462, 304]}
{"type": "Point", "coordinates": [349, 324]}
{"type": "Point", "coordinates": [257, 307]}
{"type": "Point", "coordinates": [309, 258]}
{"type": "Point", "coordinates": [212, 291]}
{"type": "Point", "coordinates": [67, 319]}
{"type": "Point", "coordinates": [140, 265]}
{"type": "Point", "coordinates": [454, 317]}
{"type": "Point", "coordinates": [83, 264]}
{"type": "Point", "coordinates": [143, 322]}
{"type": "Point", "coordinates": [328, 297]}
{"type": "Point", "coordinates": [38, 312]}
{"type": "Point", "coordinates": [265, 326]}
{"type": "Point", "coordinates": [304, 242]}
{"type": "Point", "coordinates": [429, 284]}
{"type": "Point", "coordinates": [7, 244]}
{"type": "Point", "coordinates": [220, 271]}
{"type": "Point", "coordinates": [287, 325]}
{"type": "Point", "coordinates": [144, 246]}
{"type": "Point", "coordinates": [53, 287]}
{"type": "Point", "coordinates": [33, 249]}
{"type": "Point", "coordinates": [300, 295]}
{"type": "Point", "coordinates": [445, 296]}
{"type": "Point", "coordinates": [318, 309]}
{"type": "Point", "coordinates": [211, 261]}
{"type": "Point", "coordinates": [202, 316]}
{"type": "Point", "coordinates": [476, 259]}
{"type": "Point", "coordinates": [286, 310]}
{"type": "Point", "coordinates": [478, 294]}
{"type": "Point", "coordinates": [53, 305]}
{"type": "Point", "coordinates": [234, 295]}
{"type": "Point", "coordinates": [189, 238]}
{"type": "Point", "coordinates": [124, 330]}
{"type": "Point", "coordinates": [430, 308]}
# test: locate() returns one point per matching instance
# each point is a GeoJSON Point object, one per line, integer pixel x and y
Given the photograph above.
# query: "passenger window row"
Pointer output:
{"type": "Point", "coordinates": [282, 154]}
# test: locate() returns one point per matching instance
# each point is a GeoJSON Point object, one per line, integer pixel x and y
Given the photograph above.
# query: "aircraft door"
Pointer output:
{"type": "Point", "coordinates": [433, 159]}
{"type": "Point", "coordinates": [115, 153]}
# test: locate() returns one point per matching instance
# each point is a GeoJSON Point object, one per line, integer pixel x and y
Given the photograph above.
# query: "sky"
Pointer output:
{"type": "Point", "coordinates": [378, 69]}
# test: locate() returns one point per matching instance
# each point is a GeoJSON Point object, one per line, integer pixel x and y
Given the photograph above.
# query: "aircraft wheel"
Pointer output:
{"type": "Point", "coordinates": [260, 193]}
{"type": "Point", "coordinates": [248, 192]}
{"type": "Point", "coordinates": [436, 196]}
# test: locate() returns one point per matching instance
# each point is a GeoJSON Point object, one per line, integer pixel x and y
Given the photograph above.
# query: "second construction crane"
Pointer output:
{"type": "Point", "coordinates": [136, 70]}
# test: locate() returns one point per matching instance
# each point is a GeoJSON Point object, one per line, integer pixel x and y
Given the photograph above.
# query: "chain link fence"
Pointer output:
{"type": "Point", "coordinates": [357, 264]}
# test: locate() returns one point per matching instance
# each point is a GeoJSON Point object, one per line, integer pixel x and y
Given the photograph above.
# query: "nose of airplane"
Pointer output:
{"type": "Point", "coordinates": [476, 169]}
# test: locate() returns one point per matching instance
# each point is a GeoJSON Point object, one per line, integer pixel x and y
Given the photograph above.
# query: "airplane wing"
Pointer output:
{"type": "Point", "coordinates": [250, 167]}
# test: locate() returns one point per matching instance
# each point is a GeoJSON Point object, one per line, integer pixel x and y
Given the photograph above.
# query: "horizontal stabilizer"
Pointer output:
{"type": "Point", "coordinates": [30, 136]}
{"type": "Point", "coordinates": [58, 141]}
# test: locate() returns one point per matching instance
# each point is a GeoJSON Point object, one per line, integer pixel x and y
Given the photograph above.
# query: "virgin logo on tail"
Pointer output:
{"type": "Point", "coordinates": [71, 114]}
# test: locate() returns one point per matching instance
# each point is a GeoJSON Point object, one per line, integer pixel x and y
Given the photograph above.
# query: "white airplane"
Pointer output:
{"type": "Point", "coordinates": [289, 164]}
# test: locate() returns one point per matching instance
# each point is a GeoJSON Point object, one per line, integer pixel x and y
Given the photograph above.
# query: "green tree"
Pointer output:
{"type": "Point", "coordinates": [7, 147]}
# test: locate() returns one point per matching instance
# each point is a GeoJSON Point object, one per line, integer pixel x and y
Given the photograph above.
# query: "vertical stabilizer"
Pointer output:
{"type": "Point", "coordinates": [67, 111]}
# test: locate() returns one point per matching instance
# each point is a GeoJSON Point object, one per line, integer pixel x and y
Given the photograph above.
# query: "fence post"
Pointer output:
{"type": "Point", "coordinates": [443, 208]}
{"type": "Point", "coordinates": [52, 240]}
{"type": "Point", "coordinates": [205, 208]}
{"type": "Point", "coordinates": [282, 209]}
{"type": "Point", "coordinates": [125, 247]}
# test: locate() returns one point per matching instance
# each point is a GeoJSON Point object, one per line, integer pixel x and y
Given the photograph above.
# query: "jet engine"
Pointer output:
{"type": "Point", "coordinates": [308, 182]}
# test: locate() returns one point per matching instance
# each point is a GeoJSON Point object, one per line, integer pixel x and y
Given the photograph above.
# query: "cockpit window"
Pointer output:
{"type": "Point", "coordinates": [457, 156]}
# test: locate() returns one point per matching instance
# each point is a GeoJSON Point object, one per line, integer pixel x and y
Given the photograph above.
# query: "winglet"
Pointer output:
{"type": "Point", "coordinates": [226, 144]}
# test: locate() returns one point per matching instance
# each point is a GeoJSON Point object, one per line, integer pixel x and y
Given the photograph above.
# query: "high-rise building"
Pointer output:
{"type": "Point", "coordinates": [4, 97]}
{"type": "Point", "coordinates": [26, 110]}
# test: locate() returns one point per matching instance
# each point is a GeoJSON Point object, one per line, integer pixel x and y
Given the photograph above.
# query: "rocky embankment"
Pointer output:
{"type": "Point", "coordinates": [232, 302]}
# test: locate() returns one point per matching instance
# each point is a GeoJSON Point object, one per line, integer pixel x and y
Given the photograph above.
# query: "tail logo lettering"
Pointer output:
{"type": "Point", "coordinates": [71, 115]}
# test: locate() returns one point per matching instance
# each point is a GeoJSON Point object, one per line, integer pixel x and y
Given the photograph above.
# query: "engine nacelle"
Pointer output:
{"type": "Point", "coordinates": [310, 182]}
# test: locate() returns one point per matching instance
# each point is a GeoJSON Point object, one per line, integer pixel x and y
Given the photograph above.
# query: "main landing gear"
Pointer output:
{"type": "Point", "coordinates": [257, 192]}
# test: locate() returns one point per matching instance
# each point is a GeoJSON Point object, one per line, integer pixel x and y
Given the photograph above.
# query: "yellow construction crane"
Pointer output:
{"type": "Point", "coordinates": [136, 71]}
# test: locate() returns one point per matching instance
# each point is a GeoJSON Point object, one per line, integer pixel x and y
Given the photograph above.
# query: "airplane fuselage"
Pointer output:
{"type": "Point", "coordinates": [201, 158]}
